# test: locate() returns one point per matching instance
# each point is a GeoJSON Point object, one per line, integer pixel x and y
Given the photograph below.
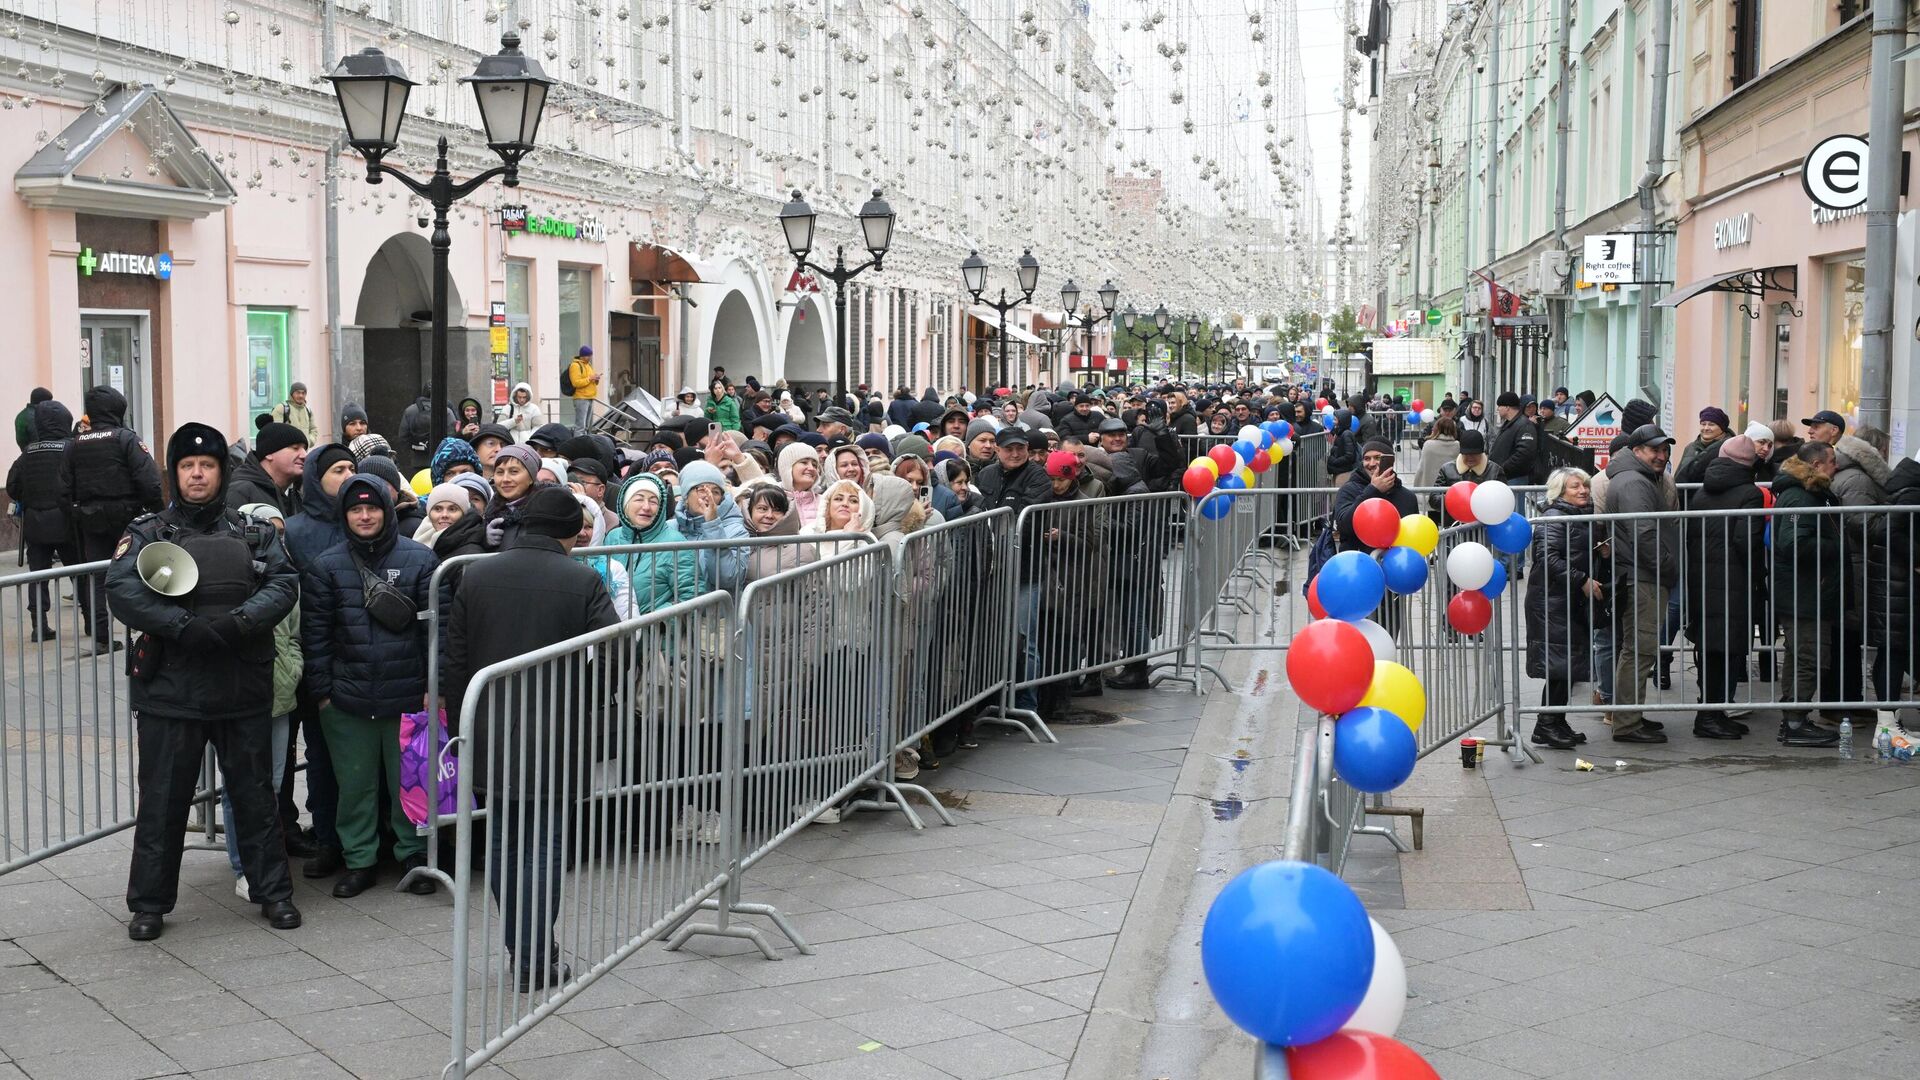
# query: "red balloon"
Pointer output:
{"type": "Point", "coordinates": [1228, 461]}
{"type": "Point", "coordinates": [1357, 1055]}
{"type": "Point", "coordinates": [1330, 665]}
{"type": "Point", "coordinates": [1469, 612]}
{"type": "Point", "coordinates": [1417, 406]}
{"type": "Point", "coordinates": [1377, 523]}
{"type": "Point", "coordinates": [1319, 403]}
{"type": "Point", "coordinates": [1460, 501]}
{"type": "Point", "coordinates": [1313, 600]}
{"type": "Point", "coordinates": [1262, 461]}
{"type": "Point", "coordinates": [1766, 498]}
{"type": "Point", "coordinates": [1198, 481]}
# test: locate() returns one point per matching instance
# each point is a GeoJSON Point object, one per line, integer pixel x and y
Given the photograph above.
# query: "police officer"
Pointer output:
{"type": "Point", "coordinates": [202, 673]}
{"type": "Point", "coordinates": [109, 478]}
{"type": "Point", "coordinates": [46, 518]}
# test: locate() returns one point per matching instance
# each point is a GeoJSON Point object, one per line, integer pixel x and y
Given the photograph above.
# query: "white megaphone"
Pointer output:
{"type": "Point", "coordinates": [167, 569]}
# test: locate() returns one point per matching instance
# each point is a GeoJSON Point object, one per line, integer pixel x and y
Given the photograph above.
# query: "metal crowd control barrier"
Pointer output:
{"type": "Point", "coordinates": [1805, 610]}
{"type": "Point", "coordinates": [1098, 583]}
{"type": "Point", "coordinates": [760, 556]}
{"type": "Point", "coordinates": [608, 768]}
{"type": "Point", "coordinates": [68, 754]}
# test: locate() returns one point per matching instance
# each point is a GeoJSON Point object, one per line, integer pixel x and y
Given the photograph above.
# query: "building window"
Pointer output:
{"type": "Point", "coordinates": [576, 310]}
{"type": "Point", "coordinates": [1845, 319]}
{"type": "Point", "coordinates": [1738, 367]}
{"type": "Point", "coordinates": [268, 363]}
{"type": "Point", "coordinates": [519, 321]}
{"type": "Point", "coordinates": [1746, 41]}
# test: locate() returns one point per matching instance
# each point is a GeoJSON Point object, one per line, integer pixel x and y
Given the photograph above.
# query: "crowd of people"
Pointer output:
{"type": "Point", "coordinates": [316, 554]}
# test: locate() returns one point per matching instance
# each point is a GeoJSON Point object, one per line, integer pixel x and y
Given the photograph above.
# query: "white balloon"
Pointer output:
{"type": "Point", "coordinates": [1470, 565]}
{"type": "Point", "coordinates": [1427, 415]}
{"type": "Point", "coordinates": [1285, 446]}
{"type": "Point", "coordinates": [1378, 637]}
{"type": "Point", "coordinates": [1251, 434]}
{"type": "Point", "coordinates": [1326, 410]}
{"type": "Point", "coordinates": [1386, 1002]}
{"type": "Point", "coordinates": [1492, 504]}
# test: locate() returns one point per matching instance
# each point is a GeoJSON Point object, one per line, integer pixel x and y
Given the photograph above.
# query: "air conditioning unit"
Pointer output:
{"type": "Point", "coordinates": [1550, 273]}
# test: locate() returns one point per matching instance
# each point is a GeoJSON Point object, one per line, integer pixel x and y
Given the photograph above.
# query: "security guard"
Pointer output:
{"type": "Point", "coordinates": [202, 673]}
{"type": "Point", "coordinates": [109, 478]}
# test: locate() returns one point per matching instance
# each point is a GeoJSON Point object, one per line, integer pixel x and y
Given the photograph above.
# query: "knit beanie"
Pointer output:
{"type": "Point", "coordinates": [449, 492]}
{"type": "Point", "coordinates": [1758, 432]}
{"type": "Point", "coordinates": [274, 438]}
{"type": "Point", "coordinates": [551, 511]}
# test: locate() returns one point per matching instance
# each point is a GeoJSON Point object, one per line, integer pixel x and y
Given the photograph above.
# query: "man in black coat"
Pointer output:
{"type": "Point", "coordinates": [1516, 445]}
{"type": "Point", "coordinates": [1013, 480]}
{"type": "Point", "coordinates": [529, 596]}
{"type": "Point", "coordinates": [271, 471]}
{"type": "Point", "coordinates": [1375, 478]}
{"type": "Point", "coordinates": [109, 479]}
{"type": "Point", "coordinates": [1079, 421]}
{"type": "Point", "coordinates": [46, 518]}
{"type": "Point", "coordinates": [203, 673]}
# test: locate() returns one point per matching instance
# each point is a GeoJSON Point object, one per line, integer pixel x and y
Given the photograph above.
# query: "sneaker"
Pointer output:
{"type": "Point", "coordinates": [709, 831]}
{"type": "Point", "coordinates": [906, 764]}
{"type": "Point", "coordinates": [687, 823]}
{"type": "Point", "coordinates": [240, 888]}
{"type": "Point", "coordinates": [829, 816]}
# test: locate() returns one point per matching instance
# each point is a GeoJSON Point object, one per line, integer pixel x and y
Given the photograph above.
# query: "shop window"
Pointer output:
{"type": "Point", "coordinates": [576, 310]}
{"type": "Point", "coordinates": [268, 367]}
{"type": "Point", "coordinates": [519, 321]}
{"type": "Point", "coordinates": [1737, 368]}
{"type": "Point", "coordinates": [1745, 30]}
{"type": "Point", "coordinates": [1845, 304]}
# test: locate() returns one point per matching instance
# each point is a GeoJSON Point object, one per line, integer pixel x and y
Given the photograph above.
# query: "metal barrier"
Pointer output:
{"type": "Point", "coordinates": [1808, 609]}
{"type": "Point", "coordinates": [608, 768]}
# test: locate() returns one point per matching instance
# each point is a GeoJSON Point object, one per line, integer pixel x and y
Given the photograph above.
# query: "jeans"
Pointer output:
{"type": "Point", "coordinates": [1603, 661]}
{"type": "Point", "coordinates": [1027, 625]}
{"type": "Point", "coordinates": [524, 855]}
{"type": "Point", "coordinates": [1638, 610]}
{"type": "Point", "coordinates": [282, 727]}
{"type": "Point", "coordinates": [582, 412]}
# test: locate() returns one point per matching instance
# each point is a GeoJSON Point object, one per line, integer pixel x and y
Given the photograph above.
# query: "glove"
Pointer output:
{"type": "Point", "coordinates": [199, 636]}
{"type": "Point", "coordinates": [227, 627]}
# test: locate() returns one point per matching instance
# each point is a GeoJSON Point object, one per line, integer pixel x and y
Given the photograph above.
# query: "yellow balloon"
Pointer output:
{"type": "Point", "coordinates": [1397, 690]}
{"type": "Point", "coordinates": [1206, 463]}
{"type": "Point", "coordinates": [1418, 532]}
{"type": "Point", "coordinates": [422, 482]}
{"type": "Point", "coordinates": [1246, 477]}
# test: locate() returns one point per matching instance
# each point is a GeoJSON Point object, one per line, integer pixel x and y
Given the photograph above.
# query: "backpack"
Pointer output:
{"type": "Point", "coordinates": [566, 379]}
{"type": "Point", "coordinates": [1324, 548]}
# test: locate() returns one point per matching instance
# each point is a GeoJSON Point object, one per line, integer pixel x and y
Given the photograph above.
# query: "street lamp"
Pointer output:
{"type": "Point", "coordinates": [1109, 295]}
{"type": "Point", "coordinates": [973, 273]}
{"type": "Point", "coordinates": [511, 90]}
{"type": "Point", "coordinates": [1156, 328]}
{"type": "Point", "coordinates": [876, 231]}
{"type": "Point", "coordinates": [1210, 345]}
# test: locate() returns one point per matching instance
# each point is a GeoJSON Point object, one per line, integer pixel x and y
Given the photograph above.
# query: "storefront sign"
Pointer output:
{"type": "Point", "coordinates": [121, 262]}
{"type": "Point", "coordinates": [1597, 428]}
{"type": "Point", "coordinates": [1607, 259]}
{"type": "Point", "coordinates": [1835, 172]}
{"type": "Point", "coordinates": [497, 313]}
{"type": "Point", "coordinates": [497, 339]}
{"type": "Point", "coordinates": [513, 218]}
{"type": "Point", "coordinates": [1824, 216]}
{"type": "Point", "coordinates": [1434, 316]}
{"type": "Point", "coordinates": [1733, 231]}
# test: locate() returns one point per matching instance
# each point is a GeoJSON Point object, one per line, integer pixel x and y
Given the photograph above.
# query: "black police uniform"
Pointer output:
{"type": "Point", "coordinates": [203, 673]}
{"type": "Point", "coordinates": [109, 479]}
{"type": "Point", "coordinates": [46, 518]}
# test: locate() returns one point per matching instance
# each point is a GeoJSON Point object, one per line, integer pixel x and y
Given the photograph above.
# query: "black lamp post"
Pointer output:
{"type": "Point", "coordinates": [973, 272]}
{"type": "Point", "coordinates": [1192, 337]}
{"type": "Point", "coordinates": [1210, 345]}
{"type": "Point", "coordinates": [1156, 328]}
{"type": "Point", "coordinates": [876, 228]}
{"type": "Point", "coordinates": [1109, 294]}
{"type": "Point", "coordinates": [512, 92]}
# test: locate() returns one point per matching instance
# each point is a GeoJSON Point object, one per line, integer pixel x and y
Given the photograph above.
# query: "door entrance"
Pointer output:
{"type": "Point", "coordinates": [113, 351]}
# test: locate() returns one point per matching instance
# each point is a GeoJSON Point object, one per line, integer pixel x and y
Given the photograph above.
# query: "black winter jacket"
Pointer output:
{"type": "Point", "coordinates": [1559, 611]}
{"type": "Point", "coordinates": [317, 526]}
{"type": "Point", "coordinates": [1450, 475]}
{"type": "Point", "coordinates": [1807, 553]}
{"type": "Point", "coordinates": [107, 473]}
{"type": "Point", "coordinates": [1072, 423]}
{"type": "Point", "coordinates": [34, 480]}
{"type": "Point", "coordinates": [368, 670]}
{"type": "Point", "coordinates": [1515, 448]}
{"type": "Point", "coordinates": [233, 682]}
{"type": "Point", "coordinates": [1726, 559]}
{"type": "Point", "coordinates": [1358, 489]}
{"type": "Point", "coordinates": [529, 596]}
{"type": "Point", "coordinates": [249, 483]}
{"type": "Point", "coordinates": [1343, 450]}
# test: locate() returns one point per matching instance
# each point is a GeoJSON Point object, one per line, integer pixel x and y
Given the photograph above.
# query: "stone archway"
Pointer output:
{"type": "Point", "coordinates": [808, 363]}
{"type": "Point", "coordinates": [395, 316]}
{"type": "Point", "coordinates": [734, 343]}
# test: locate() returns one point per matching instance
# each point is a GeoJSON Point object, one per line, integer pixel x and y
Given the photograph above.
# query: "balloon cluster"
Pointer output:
{"type": "Point", "coordinates": [1293, 958]}
{"type": "Point", "coordinates": [1471, 566]}
{"type": "Point", "coordinates": [1418, 413]}
{"type": "Point", "coordinates": [1216, 475]}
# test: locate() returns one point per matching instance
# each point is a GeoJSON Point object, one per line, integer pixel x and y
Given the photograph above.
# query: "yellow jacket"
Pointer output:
{"type": "Point", "coordinates": [581, 374]}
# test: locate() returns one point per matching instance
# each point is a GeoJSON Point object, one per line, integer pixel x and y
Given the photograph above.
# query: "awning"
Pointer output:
{"type": "Point", "coordinates": [1753, 282]}
{"type": "Point", "coordinates": [992, 319]}
{"type": "Point", "coordinates": [651, 262]}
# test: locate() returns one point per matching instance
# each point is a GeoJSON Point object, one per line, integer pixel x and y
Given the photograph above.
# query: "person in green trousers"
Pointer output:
{"type": "Point", "coordinates": [366, 658]}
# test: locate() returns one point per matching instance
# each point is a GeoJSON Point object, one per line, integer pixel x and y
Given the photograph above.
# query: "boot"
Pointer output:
{"type": "Point", "coordinates": [1088, 686]}
{"type": "Point", "coordinates": [1665, 676]}
{"type": "Point", "coordinates": [1553, 732]}
{"type": "Point", "coordinates": [1132, 677]}
{"type": "Point", "coordinates": [44, 632]}
{"type": "Point", "coordinates": [1709, 725]}
{"type": "Point", "coordinates": [1807, 733]}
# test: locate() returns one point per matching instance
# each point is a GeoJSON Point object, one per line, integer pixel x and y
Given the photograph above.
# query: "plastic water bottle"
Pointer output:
{"type": "Point", "coordinates": [1846, 739]}
{"type": "Point", "coordinates": [1882, 743]}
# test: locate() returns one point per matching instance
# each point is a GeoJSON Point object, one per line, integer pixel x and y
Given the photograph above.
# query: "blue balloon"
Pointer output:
{"type": "Point", "coordinates": [1215, 506]}
{"type": "Point", "coordinates": [1496, 584]}
{"type": "Point", "coordinates": [1512, 535]}
{"type": "Point", "coordinates": [1272, 427]}
{"type": "Point", "coordinates": [1354, 423]}
{"type": "Point", "coordinates": [1288, 952]}
{"type": "Point", "coordinates": [1266, 439]}
{"type": "Point", "coordinates": [1245, 449]}
{"type": "Point", "coordinates": [1373, 750]}
{"type": "Point", "coordinates": [1282, 429]}
{"type": "Point", "coordinates": [1326, 421]}
{"type": "Point", "coordinates": [1413, 418]}
{"type": "Point", "coordinates": [1230, 482]}
{"type": "Point", "coordinates": [1405, 570]}
{"type": "Point", "coordinates": [1351, 585]}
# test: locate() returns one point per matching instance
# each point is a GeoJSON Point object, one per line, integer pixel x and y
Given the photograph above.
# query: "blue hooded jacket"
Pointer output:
{"type": "Point", "coordinates": [368, 670]}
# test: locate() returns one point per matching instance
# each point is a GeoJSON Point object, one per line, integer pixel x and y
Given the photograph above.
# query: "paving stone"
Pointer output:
{"type": "Point", "coordinates": [132, 1061]}
{"type": "Point", "coordinates": [980, 1057]}
{"type": "Point", "coordinates": [807, 1042]}
{"type": "Point", "coordinates": [257, 1041]}
{"type": "Point", "coordinates": [646, 1022]}
{"type": "Point", "coordinates": [701, 1057]}
{"type": "Point", "coordinates": [743, 1009]}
